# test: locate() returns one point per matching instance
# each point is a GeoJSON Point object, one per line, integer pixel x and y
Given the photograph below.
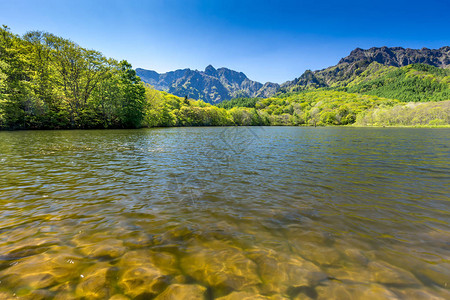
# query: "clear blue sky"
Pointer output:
{"type": "Point", "coordinates": [267, 40]}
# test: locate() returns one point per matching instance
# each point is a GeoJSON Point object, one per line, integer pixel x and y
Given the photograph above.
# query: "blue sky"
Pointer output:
{"type": "Point", "coordinates": [267, 40]}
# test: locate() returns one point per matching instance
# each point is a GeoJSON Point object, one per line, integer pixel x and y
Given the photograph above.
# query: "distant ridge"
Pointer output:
{"type": "Point", "coordinates": [216, 85]}
{"type": "Point", "coordinates": [212, 85]}
{"type": "Point", "coordinates": [400, 57]}
{"type": "Point", "coordinates": [368, 63]}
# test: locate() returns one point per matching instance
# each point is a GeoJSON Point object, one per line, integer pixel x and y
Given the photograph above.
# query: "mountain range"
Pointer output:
{"type": "Point", "coordinates": [374, 59]}
{"type": "Point", "coordinates": [362, 71]}
{"type": "Point", "coordinates": [212, 85]}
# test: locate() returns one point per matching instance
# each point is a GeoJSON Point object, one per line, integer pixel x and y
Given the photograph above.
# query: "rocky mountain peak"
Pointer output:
{"type": "Point", "coordinates": [212, 85]}
{"type": "Point", "coordinates": [211, 71]}
{"type": "Point", "coordinates": [399, 57]}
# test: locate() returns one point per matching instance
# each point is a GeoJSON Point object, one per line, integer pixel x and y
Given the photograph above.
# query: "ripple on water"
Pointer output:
{"type": "Point", "coordinates": [181, 213]}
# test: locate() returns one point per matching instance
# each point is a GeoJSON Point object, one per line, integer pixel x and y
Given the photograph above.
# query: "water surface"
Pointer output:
{"type": "Point", "coordinates": [269, 212]}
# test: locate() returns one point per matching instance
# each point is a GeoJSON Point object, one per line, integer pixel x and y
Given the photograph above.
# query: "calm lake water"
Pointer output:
{"type": "Point", "coordinates": [204, 213]}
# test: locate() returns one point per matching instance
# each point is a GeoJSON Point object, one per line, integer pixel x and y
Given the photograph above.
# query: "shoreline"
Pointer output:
{"type": "Point", "coordinates": [160, 127]}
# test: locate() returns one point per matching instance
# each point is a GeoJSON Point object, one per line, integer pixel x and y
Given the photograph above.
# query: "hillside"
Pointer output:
{"type": "Point", "coordinates": [211, 85]}
{"type": "Point", "coordinates": [404, 74]}
{"type": "Point", "coordinates": [315, 107]}
{"type": "Point", "coordinates": [413, 83]}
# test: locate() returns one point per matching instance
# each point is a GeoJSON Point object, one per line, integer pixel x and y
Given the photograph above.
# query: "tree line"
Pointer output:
{"type": "Point", "coordinates": [48, 82]}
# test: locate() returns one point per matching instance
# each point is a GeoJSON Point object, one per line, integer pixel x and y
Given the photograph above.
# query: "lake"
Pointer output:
{"type": "Point", "coordinates": [225, 212]}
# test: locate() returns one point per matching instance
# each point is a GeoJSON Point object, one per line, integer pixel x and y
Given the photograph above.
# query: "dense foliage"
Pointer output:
{"type": "Point", "coordinates": [50, 82]}
{"type": "Point", "coordinates": [165, 110]}
{"type": "Point", "coordinates": [318, 107]}
{"type": "Point", "coordinates": [238, 102]}
{"type": "Point", "coordinates": [307, 108]}
{"type": "Point", "coordinates": [411, 114]}
{"type": "Point", "coordinates": [413, 83]}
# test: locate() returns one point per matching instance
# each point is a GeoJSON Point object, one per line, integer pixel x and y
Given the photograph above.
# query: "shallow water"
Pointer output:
{"type": "Point", "coordinates": [268, 212]}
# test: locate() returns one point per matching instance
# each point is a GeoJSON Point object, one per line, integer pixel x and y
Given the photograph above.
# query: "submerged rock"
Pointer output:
{"type": "Point", "coordinates": [144, 281]}
{"type": "Point", "coordinates": [146, 273]}
{"type": "Point", "coordinates": [183, 236]}
{"type": "Point", "coordinates": [64, 291]}
{"type": "Point", "coordinates": [418, 294]}
{"type": "Point", "coordinates": [183, 292]}
{"type": "Point", "coordinates": [166, 262]}
{"type": "Point", "coordinates": [136, 239]}
{"type": "Point", "coordinates": [7, 296]}
{"type": "Point", "coordinates": [220, 266]}
{"type": "Point", "coordinates": [42, 270]}
{"type": "Point", "coordinates": [377, 292]}
{"type": "Point", "coordinates": [99, 245]}
{"type": "Point", "coordinates": [356, 256]}
{"type": "Point", "coordinates": [385, 273]}
{"type": "Point", "coordinates": [279, 272]}
{"type": "Point", "coordinates": [97, 282]}
{"type": "Point", "coordinates": [250, 296]}
{"type": "Point", "coordinates": [375, 272]}
{"type": "Point", "coordinates": [337, 290]}
{"type": "Point", "coordinates": [119, 297]}
{"type": "Point", "coordinates": [36, 295]}
{"type": "Point", "coordinates": [435, 274]}
{"type": "Point", "coordinates": [334, 290]}
{"type": "Point", "coordinates": [302, 297]}
{"type": "Point", "coordinates": [26, 249]}
{"type": "Point", "coordinates": [65, 296]}
{"type": "Point", "coordinates": [243, 296]}
{"type": "Point", "coordinates": [180, 279]}
{"type": "Point", "coordinates": [320, 255]}
{"type": "Point", "coordinates": [299, 236]}
{"type": "Point", "coordinates": [108, 249]}
{"type": "Point", "coordinates": [176, 235]}
{"type": "Point", "coordinates": [351, 274]}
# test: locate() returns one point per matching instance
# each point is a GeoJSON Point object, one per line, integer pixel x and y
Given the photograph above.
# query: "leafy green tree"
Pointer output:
{"type": "Point", "coordinates": [79, 70]}
{"type": "Point", "coordinates": [50, 82]}
{"type": "Point", "coordinates": [133, 102]}
{"type": "Point", "coordinates": [15, 94]}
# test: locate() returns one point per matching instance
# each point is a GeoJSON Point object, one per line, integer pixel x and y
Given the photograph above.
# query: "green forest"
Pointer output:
{"type": "Point", "coordinates": [308, 108]}
{"type": "Point", "coordinates": [412, 83]}
{"type": "Point", "coordinates": [48, 82]}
